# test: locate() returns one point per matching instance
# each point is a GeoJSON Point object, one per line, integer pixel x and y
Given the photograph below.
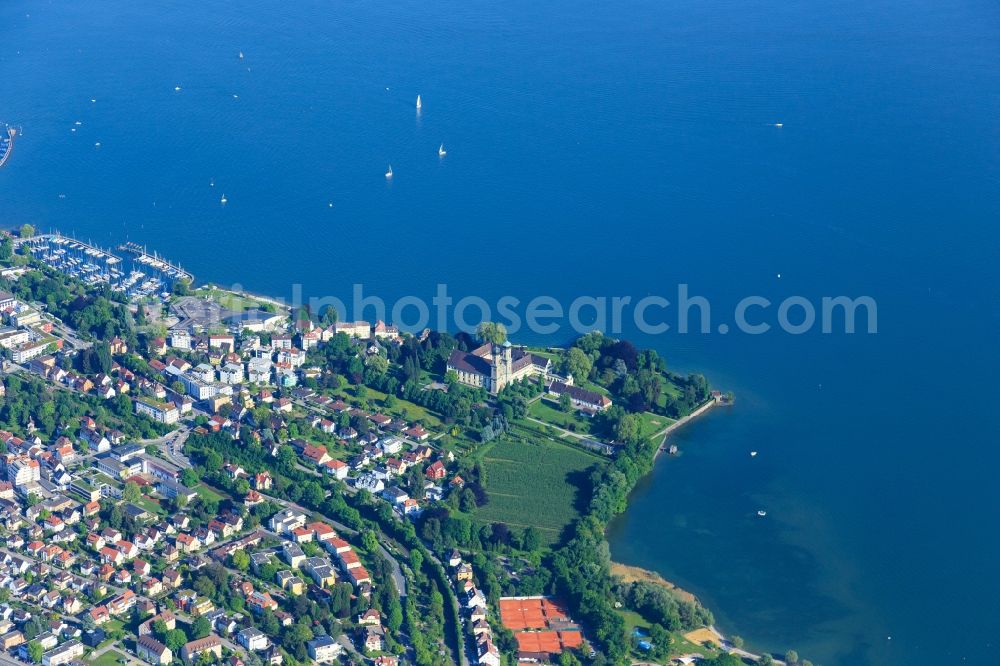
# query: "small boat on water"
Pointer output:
{"type": "Point", "coordinates": [441, 151]}
{"type": "Point", "coordinates": [241, 55]}
{"type": "Point", "coordinates": [224, 199]}
{"type": "Point", "coordinates": [419, 104]}
{"type": "Point", "coordinates": [388, 174]}
{"type": "Point", "coordinates": [762, 513]}
{"type": "Point", "coordinates": [753, 454]}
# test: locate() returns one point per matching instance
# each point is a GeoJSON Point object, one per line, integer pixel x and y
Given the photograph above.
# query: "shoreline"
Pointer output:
{"type": "Point", "coordinates": [249, 295]}
{"type": "Point", "coordinates": [629, 573]}
{"type": "Point", "coordinates": [625, 572]}
{"type": "Point", "coordinates": [684, 420]}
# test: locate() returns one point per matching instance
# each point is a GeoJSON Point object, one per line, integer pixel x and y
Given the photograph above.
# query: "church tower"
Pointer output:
{"type": "Point", "coordinates": [501, 366]}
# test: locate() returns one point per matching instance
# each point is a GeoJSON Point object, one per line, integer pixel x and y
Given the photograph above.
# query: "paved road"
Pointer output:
{"type": "Point", "coordinates": [172, 445]}
{"type": "Point", "coordinates": [467, 656]}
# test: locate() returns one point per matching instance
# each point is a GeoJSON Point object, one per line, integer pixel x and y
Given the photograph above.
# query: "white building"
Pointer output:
{"type": "Point", "coordinates": [324, 650]}
{"type": "Point", "coordinates": [287, 520]}
{"type": "Point", "coordinates": [22, 470]}
{"type": "Point", "coordinates": [253, 639]}
{"type": "Point", "coordinates": [231, 373]}
{"type": "Point", "coordinates": [63, 654]}
{"type": "Point", "coordinates": [161, 412]}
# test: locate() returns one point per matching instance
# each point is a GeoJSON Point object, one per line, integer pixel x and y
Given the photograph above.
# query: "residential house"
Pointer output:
{"type": "Point", "coordinates": [153, 651]}
{"type": "Point", "coordinates": [193, 650]}
{"type": "Point", "coordinates": [324, 650]}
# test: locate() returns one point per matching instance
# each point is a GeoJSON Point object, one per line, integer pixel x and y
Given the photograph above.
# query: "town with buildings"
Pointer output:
{"type": "Point", "coordinates": [203, 477]}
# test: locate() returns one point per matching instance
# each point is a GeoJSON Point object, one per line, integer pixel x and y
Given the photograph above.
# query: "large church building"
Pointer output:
{"type": "Point", "coordinates": [494, 366]}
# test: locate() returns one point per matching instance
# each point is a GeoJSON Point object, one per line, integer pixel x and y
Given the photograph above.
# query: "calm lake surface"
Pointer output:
{"type": "Point", "coordinates": [609, 149]}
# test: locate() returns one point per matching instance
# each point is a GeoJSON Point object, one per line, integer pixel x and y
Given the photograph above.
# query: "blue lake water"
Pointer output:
{"type": "Point", "coordinates": [608, 149]}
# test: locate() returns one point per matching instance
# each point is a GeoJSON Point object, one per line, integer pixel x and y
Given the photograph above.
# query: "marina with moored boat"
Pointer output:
{"type": "Point", "coordinates": [140, 274]}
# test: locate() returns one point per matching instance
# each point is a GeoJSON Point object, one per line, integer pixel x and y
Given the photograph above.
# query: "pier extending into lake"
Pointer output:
{"type": "Point", "coordinates": [9, 148]}
{"type": "Point", "coordinates": [170, 271]}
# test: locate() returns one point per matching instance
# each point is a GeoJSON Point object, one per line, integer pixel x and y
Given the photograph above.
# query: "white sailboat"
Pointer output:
{"type": "Point", "coordinates": [224, 199]}
{"type": "Point", "coordinates": [419, 104]}
{"type": "Point", "coordinates": [762, 513]}
{"type": "Point", "coordinates": [753, 454]}
{"type": "Point", "coordinates": [388, 174]}
{"type": "Point", "coordinates": [241, 55]}
{"type": "Point", "coordinates": [441, 151]}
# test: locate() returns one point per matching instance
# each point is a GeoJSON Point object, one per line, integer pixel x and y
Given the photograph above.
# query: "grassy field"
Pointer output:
{"type": "Point", "coordinates": [653, 423]}
{"type": "Point", "coordinates": [404, 409]}
{"type": "Point", "coordinates": [229, 300]}
{"type": "Point", "coordinates": [109, 658]}
{"type": "Point", "coordinates": [152, 506]}
{"type": "Point", "coordinates": [541, 483]}
{"type": "Point", "coordinates": [208, 493]}
{"type": "Point", "coordinates": [679, 646]}
{"type": "Point", "coordinates": [549, 411]}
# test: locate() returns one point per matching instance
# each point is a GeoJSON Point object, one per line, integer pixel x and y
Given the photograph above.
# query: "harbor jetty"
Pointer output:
{"type": "Point", "coordinates": [170, 272]}
{"type": "Point", "coordinates": [7, 145]}
{"type": "Point", "coordinates": [717, 398]}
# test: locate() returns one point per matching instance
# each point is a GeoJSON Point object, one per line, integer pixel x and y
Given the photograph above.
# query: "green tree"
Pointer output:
{"type": "Point", "coordinates": [394, 617]}
{"type": "Point", "coordinates": [577, 363]}
{"type": "Point", "coordinates": [26, 231]}
{"type": "Point", "coordinates": [213, 461]}
{"type": "Point", "coordinates": [378, 364]}
{"type": "Point", "coordinates": [160, 629]}
{"type": "Point", "coordinates": [791, 657]}
{"type": "Point", "coordinates": [189, 477]}
{"type": "Point", "coordinates": [35, 651]}
{"type": "Point", "coordinates": [175, 640]}
{"type": "Point", "coordinates": [494, 332]}
{"type": "Point", "coordinates": [182, 287]}
{"type": "Point", "coordinates": [131, 492]}
{"type": "Point", "coordinates": [370, 541]}
{"type": "Point", "coordinates": [565, 402]}
{"type": "Point", "coordinates": [661, 640]}
{"type": "Point", "coordinates": [531, 541]}
{"type": "Point", "coordinates": [627, 428]}
{"type": "Point", "coordinates": [241, 560]}
{"type": "Point", "coordinates": [200, 628]}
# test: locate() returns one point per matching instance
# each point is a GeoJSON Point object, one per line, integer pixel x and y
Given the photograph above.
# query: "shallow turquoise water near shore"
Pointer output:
{"type": "Point", "coordinates": [608, 150]}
